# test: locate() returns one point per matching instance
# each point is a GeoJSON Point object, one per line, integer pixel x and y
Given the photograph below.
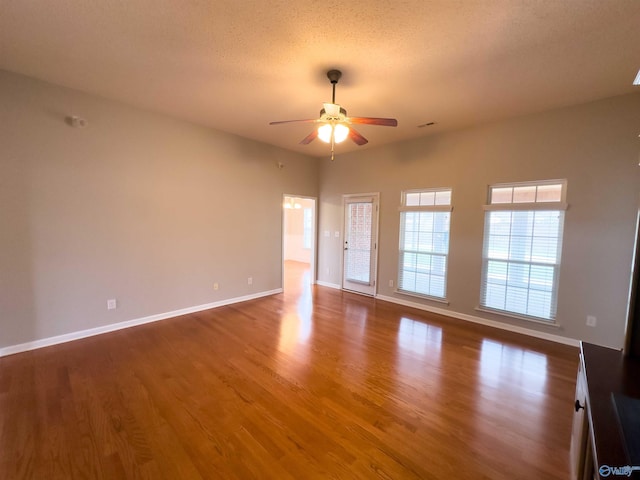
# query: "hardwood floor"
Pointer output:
{"type": "Point", "coordinates": [312, 383]}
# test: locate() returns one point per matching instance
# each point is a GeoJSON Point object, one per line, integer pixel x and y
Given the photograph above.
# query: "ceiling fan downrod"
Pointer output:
{"type": "Point", "coordinates": [334, 76]}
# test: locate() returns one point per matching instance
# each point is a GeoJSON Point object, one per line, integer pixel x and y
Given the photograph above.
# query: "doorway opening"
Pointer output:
{"type": "Point", "coordinates": [298, 243]}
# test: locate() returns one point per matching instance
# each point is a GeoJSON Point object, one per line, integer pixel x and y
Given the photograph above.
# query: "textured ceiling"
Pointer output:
{"type": "Point", "coordinates": [235, 65]}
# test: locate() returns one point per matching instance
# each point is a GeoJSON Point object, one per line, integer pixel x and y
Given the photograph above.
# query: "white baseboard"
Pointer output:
{"type": "Point", "coordinates": [46, 342]}
{"type": "Point", "coordinates": [68, 337]}
{"type": "Point", "coordinates": [482, 321]}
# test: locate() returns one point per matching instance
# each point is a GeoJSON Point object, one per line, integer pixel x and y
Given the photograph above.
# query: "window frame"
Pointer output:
{"type": "Point", "coordinates": [403, 209]}
{"type": "Point", "coordinates": [530, 206]}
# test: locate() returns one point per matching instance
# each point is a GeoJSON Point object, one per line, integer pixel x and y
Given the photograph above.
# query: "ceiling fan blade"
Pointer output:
{"type": "Point", "coordinates": [356, 137]}
{"type": "Point", "coordinates": [306, 120]}
{"type": "Point", "coordinates": [309, 138]}
{"type": "Point", "coordinates": [384, 122]}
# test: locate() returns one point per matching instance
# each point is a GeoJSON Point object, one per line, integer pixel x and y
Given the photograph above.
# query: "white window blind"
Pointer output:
{"type": "Point", "coordinates": [424, 242]}
{"type": "Point", "coordinates": [522, 248]}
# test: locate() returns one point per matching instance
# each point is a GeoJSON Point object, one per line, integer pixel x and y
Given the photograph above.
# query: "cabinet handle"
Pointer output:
{"type": "Point", "coordinates": [578, 406]}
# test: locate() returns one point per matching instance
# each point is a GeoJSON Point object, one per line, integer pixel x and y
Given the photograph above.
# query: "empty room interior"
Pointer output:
{"type": "Point", "coordinates": [348, 240]}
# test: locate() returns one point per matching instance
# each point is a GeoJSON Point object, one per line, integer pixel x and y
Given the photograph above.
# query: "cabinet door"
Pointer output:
{"type": "Point", "coordinates": [580, 430]}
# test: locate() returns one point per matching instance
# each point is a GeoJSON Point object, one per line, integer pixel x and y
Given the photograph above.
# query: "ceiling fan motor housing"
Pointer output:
{"type": "Point", "coordinates": [341, 116]}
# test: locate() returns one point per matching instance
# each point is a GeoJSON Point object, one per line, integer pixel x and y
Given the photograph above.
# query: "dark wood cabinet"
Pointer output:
{"type": "Point", "coordinates": [580, 452]}
{"type": "Point", "coordinates": [606, 424]}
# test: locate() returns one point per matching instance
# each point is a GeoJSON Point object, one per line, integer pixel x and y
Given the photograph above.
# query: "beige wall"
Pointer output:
{"type": "Point", "coordinates": [136, 206]}
{"type": "Point", "coordinates": [152, 210]}
{"type": "Point", "coordinates": [594, 146]}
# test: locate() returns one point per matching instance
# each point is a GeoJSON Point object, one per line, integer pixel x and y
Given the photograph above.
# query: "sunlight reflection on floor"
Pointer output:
{"type": "Point", "coordinates": [512, 381]}
{"type": "Point", "coordinates": [296, 326]}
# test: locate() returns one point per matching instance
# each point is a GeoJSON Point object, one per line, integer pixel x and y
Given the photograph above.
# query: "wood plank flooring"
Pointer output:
{"type": "Point", "coordinates": [312, 383]}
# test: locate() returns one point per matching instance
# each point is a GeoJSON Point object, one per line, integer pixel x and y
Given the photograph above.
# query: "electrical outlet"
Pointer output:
{"type": "Point", "coordinates": [591, 321]}
{"type": "Point", "coordinates": [391, 283]}
{"type": "Point", "coordinates": [215, 286]}
{"type": "Point", "coordinates": [112, 304]}
{"type": "Point", "coordinates": [250, 281]}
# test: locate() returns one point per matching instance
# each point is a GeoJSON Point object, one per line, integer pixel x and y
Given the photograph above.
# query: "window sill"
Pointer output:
{"type": "Point", "coordinates": [424, 297]}
{"type": "Point", "coordinates": [503, 313]}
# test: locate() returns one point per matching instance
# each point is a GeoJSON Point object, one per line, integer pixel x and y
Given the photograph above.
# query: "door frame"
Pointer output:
{"type": "Point", "coordinates": [374, 257]}
{"type": "Point", "coordinates": [314, 237]}
{"type": "Point", "coordinates": [632, 323]}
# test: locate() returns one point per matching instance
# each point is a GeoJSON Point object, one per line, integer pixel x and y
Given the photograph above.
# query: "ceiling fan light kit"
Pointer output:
{"type": "Point", "coordinates": [334, 124]}
{"type": "Point", "coordinates": [328, 131]}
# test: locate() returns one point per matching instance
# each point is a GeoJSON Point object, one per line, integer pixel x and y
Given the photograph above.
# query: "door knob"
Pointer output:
{"type": "Point", "coordinates": [578, 406]}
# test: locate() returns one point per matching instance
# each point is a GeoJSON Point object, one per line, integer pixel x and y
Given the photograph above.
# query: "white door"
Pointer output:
{"type": "Point", "coordinates": [360, 243]}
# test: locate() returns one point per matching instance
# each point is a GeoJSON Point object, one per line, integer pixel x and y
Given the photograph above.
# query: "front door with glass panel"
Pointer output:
{"type": "Point", "coordinates": [360, 243]}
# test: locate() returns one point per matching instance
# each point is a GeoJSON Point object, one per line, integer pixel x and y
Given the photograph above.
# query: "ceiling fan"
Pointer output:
{"type": "Point", "coordinates": [335, 126]}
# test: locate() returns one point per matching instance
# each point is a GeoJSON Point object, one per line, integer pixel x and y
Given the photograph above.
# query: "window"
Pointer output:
{"type": "Point", "coordinates": [307, 227]}
{"type": "Point", "coordinates": [424, 242]}
{"type": "Point", "coordinates": [522, 245]}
